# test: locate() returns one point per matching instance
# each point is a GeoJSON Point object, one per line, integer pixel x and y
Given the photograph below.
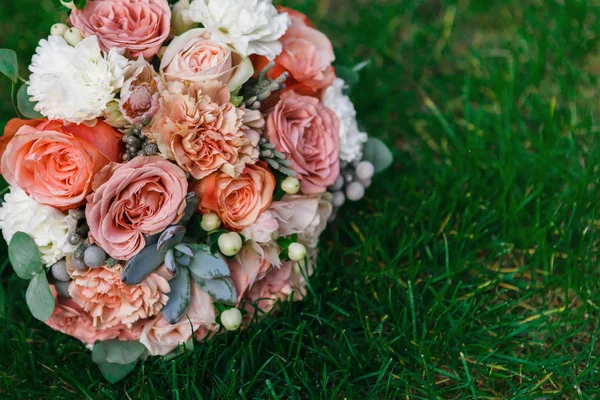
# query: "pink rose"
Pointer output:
{"type": "Point", "coordinates": [247, 267]}
{"type": "Point", "coordinates": [111, 303]}
{"type": "Point", "coordinates": [139, 94]}
{"type": "Point", "coordinates": [56, 163]}
{"type": "Point", "coordinates": [141, 197]}
{"type": "Point", "coordinates": [200, 129]}
{"type": "Point", "coordinates": [69, 318]}
{"type": "Point", "coordinates": [263, 230]}
{"type": "Point", "coordinates": [194, 57]}
{"type": "Point", "coordinates": [237, 201]}
{"type": "Point", "coordinates": [160, 337]}
{"type": "Point", "coordinates": [139, 26]}
{"type": "Point", "coordinates": [306, 216]}
{"type": "Point", "coordinates": [308, 133]}
{"type": "Point", "coordinates": [307, 56]}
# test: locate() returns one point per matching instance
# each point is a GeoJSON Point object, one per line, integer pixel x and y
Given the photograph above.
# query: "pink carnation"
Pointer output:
{"type": "Point", "coordinates": [139, 26]}
{"type": "Point", "coordinates": [308, 133]}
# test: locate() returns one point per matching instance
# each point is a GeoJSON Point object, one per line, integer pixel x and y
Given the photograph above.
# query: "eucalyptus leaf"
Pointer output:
{"type": "Point", "coordinates": [349, 76]}
{"type": "Point", "coordinates": [179, 297]}
{"type": "Point", "coordinates": [378, 154]}
{"type": "Point", "coordinates": [39, 297]}
{"type": "Point", "coordinates": [26, 107]}
{"type": "Point", "coordinates": [208, 265]}
{"type": "Point", "coordinates": [24, 256]}
{"type": "Point", "coordinates": [115, 372]}
{"type": "Point", "coordinates": [141, 265]}
{"type": "Point", "coordinates": [170, 237]}
{"type": "Point", "coordinates": [9, 65]}
{"type": "Point", "coordinates": [222, 290]}
{"type": "Point", "coordinates": [117, 351]}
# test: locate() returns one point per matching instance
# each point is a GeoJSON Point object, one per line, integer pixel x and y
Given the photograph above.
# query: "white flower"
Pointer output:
{"type": "Point", "coordinates": [74, 84]}
{"type": "Point", "coordinates": [47, 226]}
{"type": "Point", "coordinates": [250, 26]}
{"type": "Point", "coordinates": [351, 137]}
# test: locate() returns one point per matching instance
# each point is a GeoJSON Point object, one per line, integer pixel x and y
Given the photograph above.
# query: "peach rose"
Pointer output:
{"type": "Point", "coordinates": [307, 56]}
{"type": "Point", "coordinates": [200, 129]}
{"type": "Point", "coordinates": [139, 94]}
{"type": "Point", "coordinates": [237, 201]}
{"type": "Point", "coordinates": [308, 133]}
{"type": "Point", "coordinates": [194, 57]}
{"type": "Point", "coordinates": [56, 163]}
{"type": "Point", "coordinates": [111, 303]}
{"type": "Point", "coordinates": [139, 26]}
{"type": "Point", "coordinates": [160, 337]}
{"type": "Point", "coordinates": [69, 318]}
{"type": "Point", "coordinates": [247, 267]}
{"type": "Point", "coordinates": [141, 197]}
{"type": "Point", "coordinates": [303, 215]}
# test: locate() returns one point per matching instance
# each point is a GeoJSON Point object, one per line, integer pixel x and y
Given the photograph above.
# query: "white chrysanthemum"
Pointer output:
{"type": "Point", "coordinates": [351, 137]}
{"type": "Point", "coordinates": [46, 225]}
{"type": "Point", "coordinates": [74, 84]}
{"type": "Point", "coordinates": [250, 26]}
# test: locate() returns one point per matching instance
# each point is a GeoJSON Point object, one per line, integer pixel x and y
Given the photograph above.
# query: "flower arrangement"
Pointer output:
{"type": "Point", "coordinates": [173, 168]}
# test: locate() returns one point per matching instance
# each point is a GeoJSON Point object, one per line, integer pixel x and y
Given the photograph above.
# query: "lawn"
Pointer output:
{"type": "Point", "coordinates": [469, 272]}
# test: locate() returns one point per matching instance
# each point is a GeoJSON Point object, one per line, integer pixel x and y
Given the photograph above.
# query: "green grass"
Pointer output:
{"type": "Point", "coordinates": [470, 271]}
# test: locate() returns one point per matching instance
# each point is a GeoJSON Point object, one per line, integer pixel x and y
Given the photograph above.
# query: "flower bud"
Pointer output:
{"type": "Point", "coordinates": [290, 185]}
{"type": "Point", "coordinates": [355, 191]}
{"type": "Point", "coordinates": [210, 222]}
{"type": "Point", "coordinates": [365, 171]}
{"type": "Point", "coordinates": [94, 257]}
{"type": "Point", "coordinates": [73, 36]}
{"type": "Point", "coordinates": [68, 3]}
{"type": "Point", "coordinates": [59, 29]}
{"type": "Point", "coordinates": [231, 319]}
{"type": "Point", "coordinates": [62, 289]}
{"type": "Point", "coordinates": [338, 199]}
{"type": "Point", "coordinates": [230, 243]}
{"type": "Point", "coordinates": [296, 251]}
{"type": "Point", "coordinates": [180, 22]}
{"type": "Point", "coordinates": [113, 115]}
{"type": "Point", "coordinates": [59, 271]}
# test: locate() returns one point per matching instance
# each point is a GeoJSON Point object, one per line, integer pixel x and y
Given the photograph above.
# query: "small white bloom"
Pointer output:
{"type": "Point", "coordinates": [74, 84]}
{"type": "Point", "coordinates": [250, 26]}
{"type": "Point", "coordinates": [351, 137]}
{"type": "Point", "coordinates": [47, 226]}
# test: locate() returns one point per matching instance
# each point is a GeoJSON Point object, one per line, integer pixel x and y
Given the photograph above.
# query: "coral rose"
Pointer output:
{"type": "Point", "coordinates": [237, 201]}
{"type": "Point", "coordinates": [56, 163]}
{"type": "Point", "coordinates": [160, 337]}
{"type": "Point", "coordinates": [194, 57]}
{"type": "Point", "coordinates": [200, 129]}
{"type": "Point", "coordinates": [303, 215]}
{"type": "Point", "coordinates": [69, 318]}
{"type": "Point", "coordinates": [139, 26]}
{"type": "Point", "coordinates": [308, 133]}
{"type": "Point", "coordinates": [307, 56]}
{"type": "Point", "coordinates": [110, 302]}
{"type": "Point", "coordinates": [141, 197]}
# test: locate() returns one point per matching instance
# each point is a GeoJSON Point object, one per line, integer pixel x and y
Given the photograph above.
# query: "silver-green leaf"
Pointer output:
{"type": "Point", "coordinates": [117, 351]}
{"type": "Point", "coordinates": [115, 372]}
{"type": "Point", "coordinates": [9, 64]}
{"type": "Point", "coordinates": [141, 265]}
{"type": "Point", "coordinates": [39, 297]}
{"type": "Point", "coordinates": [378, 154]}
{"type": "Point", "coordinates": [207, 265]}
{"type": "Point", "coordinates": [222, 290]}
{"type": "Point", "coordinates": [26, 107]}
{"type": "Point", "coordinates": [24, 256]}
{"type": "Point", "coordinates": [179, 297]}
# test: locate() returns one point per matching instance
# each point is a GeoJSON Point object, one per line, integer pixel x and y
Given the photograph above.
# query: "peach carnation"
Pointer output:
{"type": "Point", "coordinates": [110, 303]}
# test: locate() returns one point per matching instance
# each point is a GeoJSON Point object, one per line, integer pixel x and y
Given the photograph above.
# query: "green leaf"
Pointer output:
{"type": "Point", "coordinates": [39, 297]}
{"type": "Point", "coordinates": [349, 76]}
{"type": "Point", "coordinates": [24, 256]}
{"type": "Point", "coordinates": [115, 372]}
{"type": "Point", "coordinates": [179, 297]}
{"type": "Point", "coordinates": [378, 154]}
{"type": "Point", "coordinates": [237, 100]}
{"type": "Point", "coordinates": [208, 265]}
{"type": "Point", "coordinates": [9, 64]}
{"type": "Point", "coordinates": [26, 107]}
{"type": "Point", "coordinates": [117, 351]}
{"type": "Point", "coordinates": [222, 290]}
{"type": "Point", "coordinates": [80, 3]}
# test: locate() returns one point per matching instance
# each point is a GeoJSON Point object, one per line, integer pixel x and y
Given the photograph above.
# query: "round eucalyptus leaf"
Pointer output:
{"type": "Point", "coordinates": [26, 107]}
{"type": "Point", "coordinates": [39, 297]}
{"type": "Point", "coordinates": [117, 351]}
{"type": "Point", "coordinates": [9, 64]}
{"type": "Point", "coordinates": [24, 256]}
{"type": "Point", "coordinates": [378, 154]}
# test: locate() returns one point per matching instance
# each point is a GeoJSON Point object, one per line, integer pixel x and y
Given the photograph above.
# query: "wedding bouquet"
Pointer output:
{"type": "Point", "coordinates": [173, 169]}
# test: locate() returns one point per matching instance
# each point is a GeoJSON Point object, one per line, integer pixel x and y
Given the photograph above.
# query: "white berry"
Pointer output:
{"type": "Point", "coordinates": [296, 251]}
{"type": "Point", "coordinates": [59, 29]}
{"type": "Point", "coordinates": [230, 243]}
{"type": "Point", "coordinates": [231, 319]}
{"type": "Point", "coordinates": [68, 3]}
{"type": "Point", "coordinates": [355, 191]}
{"type": "Point", "coordinates": [210, 222]}
{"type": "Point", "coordinates": [290, 185]}
{"type": "Point", "coordinates": [365, 171]}
{"type": "Point", "coordinates": [73, 36]}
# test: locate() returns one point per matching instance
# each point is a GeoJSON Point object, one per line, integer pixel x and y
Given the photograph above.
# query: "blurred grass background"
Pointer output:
{"type": "Point", "coordinates": [469, 272]}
